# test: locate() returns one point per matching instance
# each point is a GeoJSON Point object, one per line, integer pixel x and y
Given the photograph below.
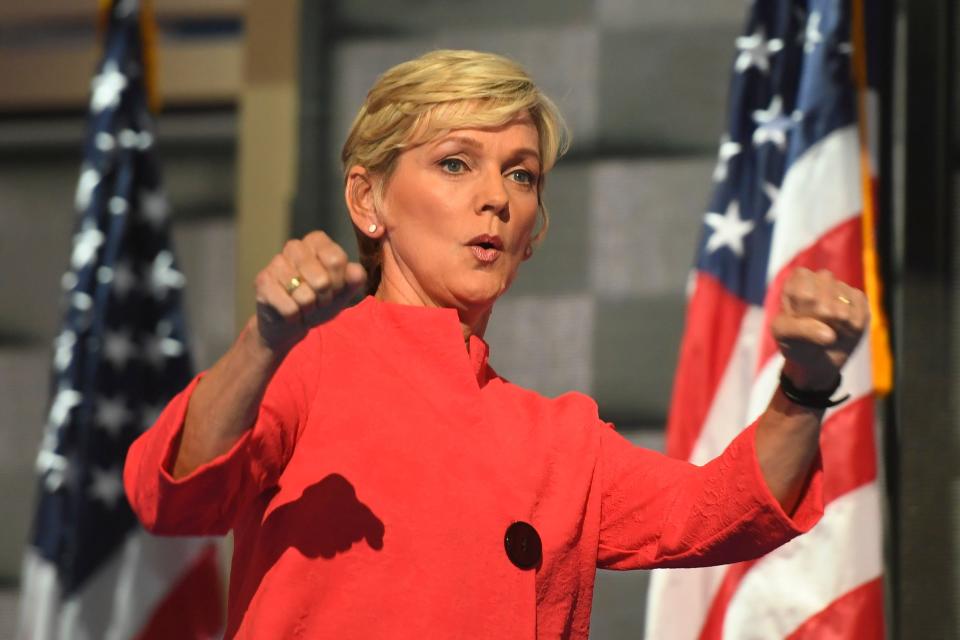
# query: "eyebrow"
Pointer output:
{"type": "Point", "coordinates": [522, 152]}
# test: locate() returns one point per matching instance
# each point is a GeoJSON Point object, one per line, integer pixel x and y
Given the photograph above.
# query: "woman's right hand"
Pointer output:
{"type": "Point", "coordinates": [304, 285]}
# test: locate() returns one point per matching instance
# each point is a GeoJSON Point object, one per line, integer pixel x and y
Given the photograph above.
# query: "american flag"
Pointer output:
{"type": "Point", "coordinates": [90, 571]}
{"type": "Point", "coordinates": [789, 192]}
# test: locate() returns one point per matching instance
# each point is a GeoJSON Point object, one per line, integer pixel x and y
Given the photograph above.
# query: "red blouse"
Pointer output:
{"type": "Point", "coordinates": [372, 496]}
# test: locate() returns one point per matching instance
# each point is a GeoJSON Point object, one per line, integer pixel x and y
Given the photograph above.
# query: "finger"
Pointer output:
{"type": "Point", "coordinates": [845, 309]}
{"type": "Point", "coordinates": [799, 294]}
{"type": "Point", "coordinates": [355, 275]}
{"type": "Point", "coordinates": [315, 290]}
{"type": "Point", "coordinates": [287, 276]}
{"type": "Point", "coordinates": [331, 256]}
{"type": "Point", "coordinates": [793, 331]}
{"type": "Point", "coordinates": [859, 306]}
{"type": "Point", "coordinates": [272, 296]}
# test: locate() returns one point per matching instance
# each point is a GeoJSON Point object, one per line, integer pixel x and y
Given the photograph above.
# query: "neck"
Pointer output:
{"type": "Point", "coordinates": [473, 318]}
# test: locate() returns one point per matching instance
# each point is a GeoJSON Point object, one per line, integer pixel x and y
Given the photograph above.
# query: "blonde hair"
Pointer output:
{"type": "Point", "coordinates": [421, 99]}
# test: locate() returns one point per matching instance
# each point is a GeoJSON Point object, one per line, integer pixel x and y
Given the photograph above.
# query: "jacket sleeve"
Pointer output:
{"type": "Point", "coordinates": [208, 500]}
{"type": "Point", "coordinates": [662, 512]}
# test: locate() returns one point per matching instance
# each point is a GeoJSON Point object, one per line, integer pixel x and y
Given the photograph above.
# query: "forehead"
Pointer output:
{"type": "Point", "coordinates": [512, 137]}
{"type": "Point", "coordinates": [444, 121]}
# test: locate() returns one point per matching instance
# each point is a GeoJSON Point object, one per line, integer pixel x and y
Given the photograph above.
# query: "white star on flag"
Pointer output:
{"type": "Point", "coordinates": [68, 281]}
{"type": "Point", "coordinates": [163, 276]}
{"type": "Point", "coordinates": [117, 348]}
{"type": "Point", "coordinates": [118, 206]}
{"type": "Point", "coordinates": [728, 229]}
{"type": "Point", "coordinates": [774, 125]}
{"type": "Point", "coordinates": [89, 179]}
{"type": "Point", "coordinates": [83, 303]}
{"type": "Point", "coordinates": [107, 87]}
{"type": "Point", "coordinates": [63, 350]}
{"type": "Point", "coordinates": [56, 470]}
{"type": "Point", "coordinates": [158, 348]}
{"type": "Point", "coordinates": [771, 192]}
{"type": "Point", "coordinates": [85, 245]}
{"type": "Point", "coordinates": [154, 208]}
{"type": "Point", "coordinates": [123, 279]}
{"type": "Point", "coordinates": [812, 36]}
{"type": "Point", "coordinates": [106, 485]}
{"type": "Point", "coordinates": [63, 403]}
{"type": "Point", "coordinates": [728, 149]}
{"type": "Point", "coordinates": [104, 141]}
{"type": "Point", "coordinates": [755, 51]}
{"type": "Point", "coordinates": [112, 414]}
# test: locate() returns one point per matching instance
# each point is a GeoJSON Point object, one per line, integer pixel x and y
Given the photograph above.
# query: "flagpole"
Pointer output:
{"type": "Point", "coordinates": [882, 360]}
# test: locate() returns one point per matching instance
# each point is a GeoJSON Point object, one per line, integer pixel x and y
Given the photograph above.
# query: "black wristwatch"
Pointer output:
{"type": "Point", "coordinates": [810, 398]}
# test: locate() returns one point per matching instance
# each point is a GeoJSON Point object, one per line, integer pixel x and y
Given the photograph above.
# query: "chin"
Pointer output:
{"type": "Point", "coordinates": [479, 291]}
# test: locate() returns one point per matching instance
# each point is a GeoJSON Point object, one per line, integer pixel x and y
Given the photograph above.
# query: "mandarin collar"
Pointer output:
{"type": "Point", "coordinates": [433, 330]}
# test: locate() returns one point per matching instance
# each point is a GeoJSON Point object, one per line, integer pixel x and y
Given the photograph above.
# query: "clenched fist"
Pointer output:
{"type": "Point", "coordinates": [306, 284]}
{"type": "Point", "coordinates": [821, 320]}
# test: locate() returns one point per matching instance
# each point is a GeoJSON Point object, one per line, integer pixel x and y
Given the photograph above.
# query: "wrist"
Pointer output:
{"type": "Point", "coordinates": [256, 348]}
{"type": "Point", "coordinates": [812, 398]}
{"type": "Point", "coordinates": [807, 380]}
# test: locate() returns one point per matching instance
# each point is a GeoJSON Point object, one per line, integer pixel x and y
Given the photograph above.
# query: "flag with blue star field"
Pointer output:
{"type": "Point", "coordinates": [793, 187]}
{"type": "Point", "coordinates": [90, 571]}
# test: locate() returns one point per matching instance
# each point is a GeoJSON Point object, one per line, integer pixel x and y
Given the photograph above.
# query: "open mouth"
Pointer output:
{"type": "Point", "coordinates": [486, 241]}
{"type": "Point", "coordinates": [486, 248]}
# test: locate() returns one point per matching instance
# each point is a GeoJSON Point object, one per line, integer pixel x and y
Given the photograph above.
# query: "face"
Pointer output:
{"type": "Point", "coordinates": [458, 216]}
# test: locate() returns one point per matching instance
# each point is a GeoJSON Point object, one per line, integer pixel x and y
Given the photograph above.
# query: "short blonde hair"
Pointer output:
{"type": "Point", "coordinates": [421, 99]}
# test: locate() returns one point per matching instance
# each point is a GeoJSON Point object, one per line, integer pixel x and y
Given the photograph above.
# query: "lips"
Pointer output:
{"type": "Point", "coordinates": [487, 241]}
{"type": "Point", "coordinates": [486, 248]}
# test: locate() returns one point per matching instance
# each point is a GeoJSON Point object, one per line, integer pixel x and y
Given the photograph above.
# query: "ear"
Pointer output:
{"type": "Point", "coordinates": [358, 194]}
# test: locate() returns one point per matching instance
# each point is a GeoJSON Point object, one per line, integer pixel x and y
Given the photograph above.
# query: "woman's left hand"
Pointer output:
{"type": "Point", "coordinates": [821, 320]}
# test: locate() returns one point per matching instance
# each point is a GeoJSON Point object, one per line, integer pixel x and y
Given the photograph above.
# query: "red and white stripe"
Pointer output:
{"type": "Point", "coordinates": [828, 582]}
{"type": "Point", "coordinates": [153, 588]}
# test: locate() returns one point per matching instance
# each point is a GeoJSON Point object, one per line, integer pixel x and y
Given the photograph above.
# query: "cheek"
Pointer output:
{"type": "Point", "coordinates": [426, 205]}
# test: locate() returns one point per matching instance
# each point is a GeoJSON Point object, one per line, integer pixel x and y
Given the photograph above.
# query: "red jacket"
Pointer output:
{"type": "Point", "coordinates": [373, 495]}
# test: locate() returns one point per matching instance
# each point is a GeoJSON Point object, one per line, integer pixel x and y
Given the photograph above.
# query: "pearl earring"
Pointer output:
{"type": "Point", "coordinates": [372, 228]}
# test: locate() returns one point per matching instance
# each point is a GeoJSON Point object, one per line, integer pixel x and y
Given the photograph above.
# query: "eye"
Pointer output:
{"type": "Point", "coordinates": [453, 165]}
{"type": "Point", "coordinates": [522, 176]}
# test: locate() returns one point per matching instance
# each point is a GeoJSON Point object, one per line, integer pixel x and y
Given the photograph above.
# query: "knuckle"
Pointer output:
{"type": "Point", "coordinates": [278, 264]}
{"type": "Point", "coordinates": [316, 236]}
{"type": "Point", "coordinates": [291, 247]}
{"type": "Point", "coordinates": [320, 281]}
{"type": "Point", "coordinates": [803, 294]}
{"type": "Point", "coordinates": [336, 259]}
{"type": "Point", "coordinates": [304, 296]}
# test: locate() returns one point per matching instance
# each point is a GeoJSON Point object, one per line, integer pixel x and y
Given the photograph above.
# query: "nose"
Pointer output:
{"type": "Point", "coordinates": [492, 196]}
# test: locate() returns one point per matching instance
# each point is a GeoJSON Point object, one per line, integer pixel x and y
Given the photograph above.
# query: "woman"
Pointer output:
{"type": "Point", "coordinates": [381, 480]}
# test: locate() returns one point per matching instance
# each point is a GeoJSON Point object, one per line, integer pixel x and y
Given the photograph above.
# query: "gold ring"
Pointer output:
{"type": "Point", "coordinates": [844, 299]}
{"type": "Point", "coordinates": [293, 284]}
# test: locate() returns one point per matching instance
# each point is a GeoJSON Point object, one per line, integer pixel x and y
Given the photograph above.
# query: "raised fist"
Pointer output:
{"type": "Point", "coordinates": [821, 320]}
{"type": "Point", "coordinates": [306, 284]}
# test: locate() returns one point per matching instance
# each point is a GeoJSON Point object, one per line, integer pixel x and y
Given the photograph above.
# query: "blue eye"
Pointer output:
{"type": "Point", "coordinates": [453, 165]}
{"type": "Point", "coordinates": [522, 177]}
